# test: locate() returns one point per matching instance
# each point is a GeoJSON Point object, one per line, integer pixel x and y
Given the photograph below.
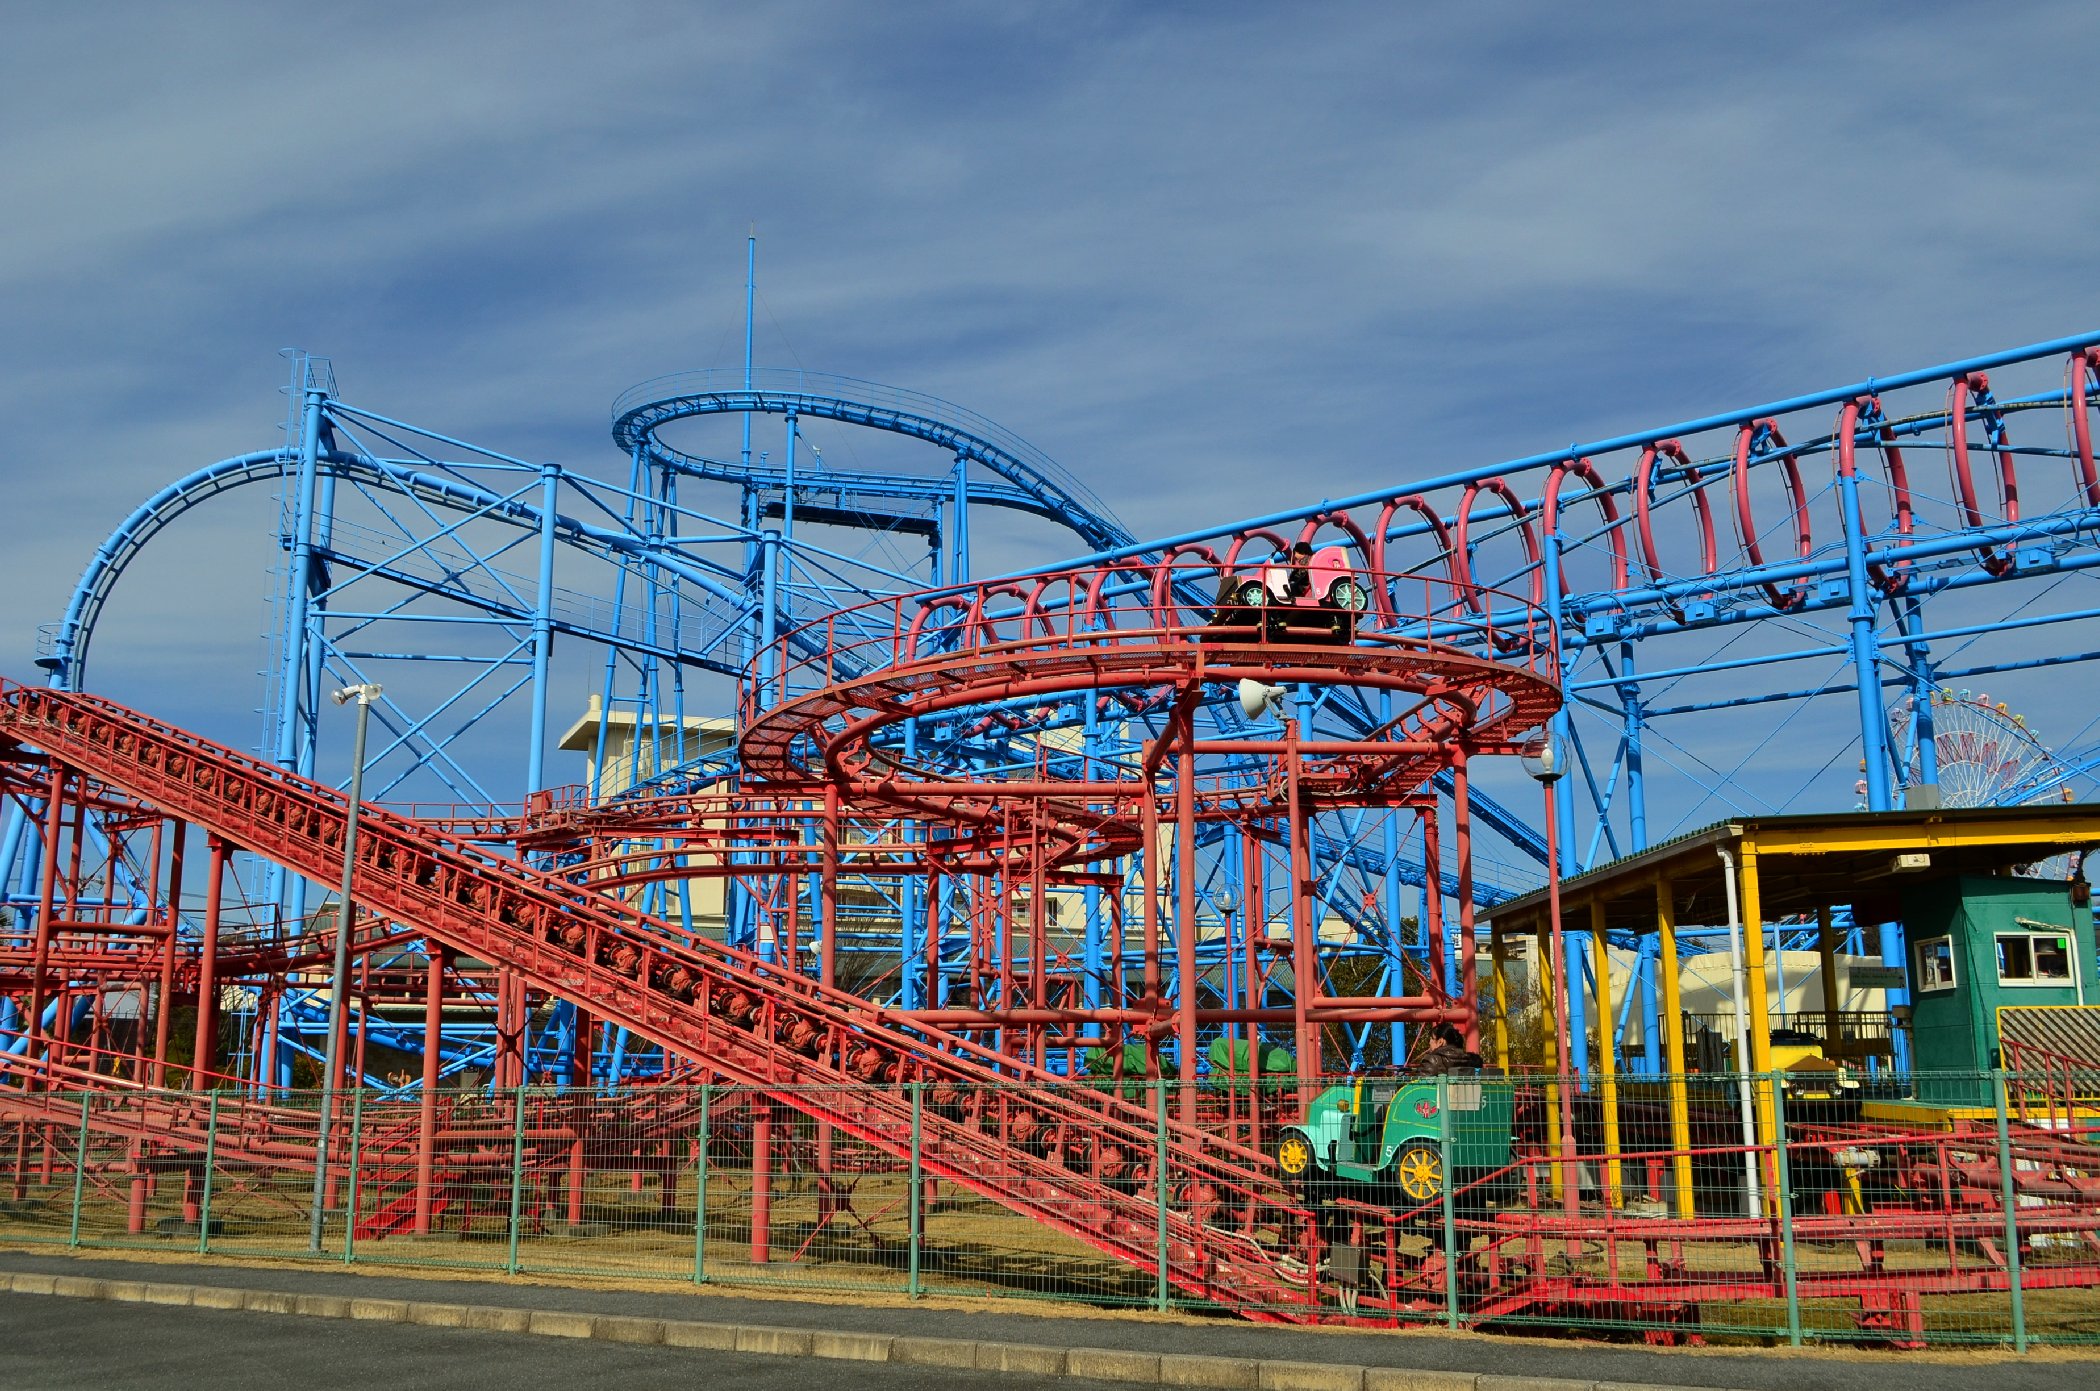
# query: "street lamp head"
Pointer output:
{"type": "Point", "coordinates": [364, 693]}
{"type": "Point", "coordinates": [1545, 763]}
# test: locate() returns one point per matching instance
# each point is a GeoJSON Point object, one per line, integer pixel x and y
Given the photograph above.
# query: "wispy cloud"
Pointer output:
{"type": "Point", "coordinates": [1213, 258]}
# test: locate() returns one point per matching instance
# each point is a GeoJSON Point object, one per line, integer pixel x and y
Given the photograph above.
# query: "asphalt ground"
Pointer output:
{"type": "Point", "coordinates": [62, 1344]}
{"type": "Point", "coordinates": [1778, 1369]}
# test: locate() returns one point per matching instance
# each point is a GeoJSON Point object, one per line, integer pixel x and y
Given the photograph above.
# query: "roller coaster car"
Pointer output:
{"type": "Point", "coordinates": [1317, 601]}
{"type": "Point", "coordinates": [1817, 1089]}
{"type": "Point", "coordinates": [1378, 1138]}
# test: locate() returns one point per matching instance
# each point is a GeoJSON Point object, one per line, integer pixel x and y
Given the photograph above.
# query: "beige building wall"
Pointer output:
{"type": "Point", "coordinates": [637, 750]}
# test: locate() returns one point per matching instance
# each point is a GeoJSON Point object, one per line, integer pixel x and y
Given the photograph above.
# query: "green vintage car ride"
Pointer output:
{"type": "Point", "coordinates": [1382, 1137]}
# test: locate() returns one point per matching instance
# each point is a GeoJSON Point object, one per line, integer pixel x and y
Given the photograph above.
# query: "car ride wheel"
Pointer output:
{"type": "Point", "coordinates": [1418, 1171]}
{"type": "Point", "coordinates": [1348, 596]}
{"type": "Point", "coordinates": [1294, 1155]}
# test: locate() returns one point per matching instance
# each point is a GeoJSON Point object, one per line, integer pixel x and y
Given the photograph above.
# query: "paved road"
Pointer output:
{"type": "Point", "coordinates": [1780, 1370]}
{"type": "Point", "coordinates": [63, 1344]}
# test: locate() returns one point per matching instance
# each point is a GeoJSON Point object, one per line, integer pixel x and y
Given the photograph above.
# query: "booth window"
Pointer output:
{"type": "Point", "coordinates": [1936, 964]}
{"type": "Point", "coordinates": [2034, 958]}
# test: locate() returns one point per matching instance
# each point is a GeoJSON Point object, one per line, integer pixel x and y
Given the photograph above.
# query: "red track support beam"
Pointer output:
{"type": "Point", "coordinates": [1154, 994]}
{"type": "Point", "coordinates": [62, 1022]}
{"type": "Point", "coordinates": [510, 1029]}
{"type": "Point", "coordinates": [1304, 974]}
{"type": "Point", "coordinates": [164, 997]}
{"type": "Point", "coordinates": [1468, 947]}
{"type": "Point", "coordinates": [828, 967]}
{"type": "Point", "coordinates": [1254, 927]}
{"type": "Point", "coordinates": [828, 888]}
{"type": "Point", "coordinates": [46, 907]}
{"type": "Point", "coordinates": [1185, 923]}
{"type": "Point", "coordinates": [204, 1060]}
{"type": "Point", "coordinates": [762, 1181]}
{"type": "Point", "coordinates": [426, 1111]}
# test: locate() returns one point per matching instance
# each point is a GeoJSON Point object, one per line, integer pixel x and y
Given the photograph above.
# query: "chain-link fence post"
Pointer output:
{"type": "Point", "coordinates": [211, 1156]}
{"type": "Point", "coordinates": [707, 1098]}
{"type": "Point", "coordinates": [1159, 1190]}
{"type": "Point", "coordinates": [1446, 1153]}
{"type": "Point", "coordinates": [79, 1171]}
{"type": "Point", "coordinates": [2009, 1199]}
{"type": "Point", "coordinates": [517, 1178]}
{"type": "Point", "coordinates": [914, 1207]}
{"type": "Point", "coordinates": [357, 1135]}
{"type": "Point", "coordinates": [1784, 1202]}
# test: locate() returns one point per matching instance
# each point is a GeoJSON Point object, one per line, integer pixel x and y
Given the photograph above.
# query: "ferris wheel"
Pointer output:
{"type": "Point", "coordinates": [1986, 756]}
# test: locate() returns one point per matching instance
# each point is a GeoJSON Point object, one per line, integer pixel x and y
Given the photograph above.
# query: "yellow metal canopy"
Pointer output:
{"type": "Point", "coordinates": [1843, 857]}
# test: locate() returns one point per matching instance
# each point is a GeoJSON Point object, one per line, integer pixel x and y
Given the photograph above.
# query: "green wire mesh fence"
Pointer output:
{"type": "Point", "coordinates": [1660, 1207]}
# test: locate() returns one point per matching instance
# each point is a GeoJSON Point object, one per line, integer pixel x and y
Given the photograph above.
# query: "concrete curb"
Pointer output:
{"type": "Point", "coordinates": [1100, 1364]}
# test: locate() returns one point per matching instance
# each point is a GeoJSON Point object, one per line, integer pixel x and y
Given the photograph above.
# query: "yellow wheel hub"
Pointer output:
{"type": "Point", "coordinates": [1294, 1156]}
{"type": "Point", "coordinates": [1420, 1171]}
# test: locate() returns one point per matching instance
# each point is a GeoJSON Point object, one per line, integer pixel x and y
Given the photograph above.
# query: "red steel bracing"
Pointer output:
{"type": "Point", "coordinates": [1073, 1159]}
{"type": "Point", "coordinates": [251, 1131]}
{"type": "Point", "coordinates": [175, 1130]}
{"type": "Point", "coordinates": [1144, 636]}
{"type": "Point", "coordinates": [809, 1045]}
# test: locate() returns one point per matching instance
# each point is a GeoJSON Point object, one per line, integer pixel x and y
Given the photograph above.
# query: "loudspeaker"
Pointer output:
{"type": "Point", "coordinates": [1257, 699]}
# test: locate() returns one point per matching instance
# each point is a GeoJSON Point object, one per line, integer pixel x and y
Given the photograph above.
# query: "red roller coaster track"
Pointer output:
{"type": "Point", "coordinates": [1081, 1168]}
{"type": "Point", "coordinates": [1078, 1160]}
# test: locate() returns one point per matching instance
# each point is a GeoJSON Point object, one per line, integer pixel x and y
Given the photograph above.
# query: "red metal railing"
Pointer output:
{"type": "Point", "coordinates": [2048, 1088]}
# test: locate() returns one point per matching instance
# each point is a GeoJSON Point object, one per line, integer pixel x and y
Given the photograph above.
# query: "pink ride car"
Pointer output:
{"type": "Point", "coordinates": [1308, 597]}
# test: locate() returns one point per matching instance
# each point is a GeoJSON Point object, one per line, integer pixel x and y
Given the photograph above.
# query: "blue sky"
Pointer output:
{"type": "Point", "coordinates": [1212, 258]}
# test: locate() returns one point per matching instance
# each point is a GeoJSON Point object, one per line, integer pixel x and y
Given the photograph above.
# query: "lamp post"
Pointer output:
{"type": "Point", "coordinates": [339, 977]}
{"type": "Point", "coordinates": [1546, 767]}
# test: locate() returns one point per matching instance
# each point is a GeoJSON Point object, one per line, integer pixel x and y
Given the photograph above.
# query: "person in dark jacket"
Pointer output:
{"type": "Point", "coordinates": [1299, 582]}
{"type": "Point", "coordinates": [1447, 1054]}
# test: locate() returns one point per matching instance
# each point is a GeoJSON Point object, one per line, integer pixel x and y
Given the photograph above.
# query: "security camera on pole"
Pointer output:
{"type": "Point", "coordinates": [338, 981]}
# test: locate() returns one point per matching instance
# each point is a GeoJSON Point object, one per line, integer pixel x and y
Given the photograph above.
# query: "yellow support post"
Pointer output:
{"type": "Point", "coordinates": [1673, 1047]}
{"type": "Point", "coordinates": [1607, 1060]}
{"type": "Point", "coordinates": [1760, 1011]}
{"type": "Point", "coordinates": [1551, 1054]}
{"type": "Point", "coordinates": [1498, 977]}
